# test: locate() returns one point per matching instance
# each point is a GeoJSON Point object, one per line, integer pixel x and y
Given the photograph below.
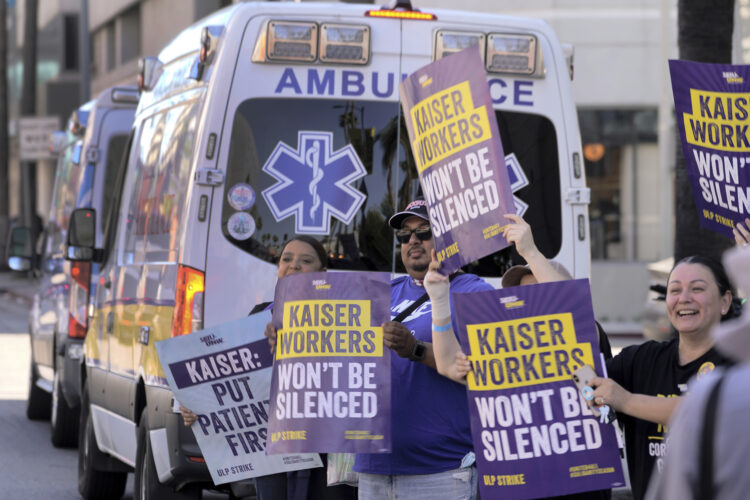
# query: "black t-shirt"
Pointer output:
{"type": "Point", "coordinates": [653, 369]}
{"type": "Point", "coordinates": [606, 350]}
{"type": "Point", "coordinates": [604, 346]}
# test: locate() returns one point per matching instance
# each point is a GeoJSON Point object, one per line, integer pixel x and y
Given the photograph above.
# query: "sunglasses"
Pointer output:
{"type": "Point", "coordinates": [422, 233]}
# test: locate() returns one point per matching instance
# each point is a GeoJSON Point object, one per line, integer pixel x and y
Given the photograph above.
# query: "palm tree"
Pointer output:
{"type": "Point", "coordinates": [704, 35]}
{"type": "Point", "coordinates": [389, 137]}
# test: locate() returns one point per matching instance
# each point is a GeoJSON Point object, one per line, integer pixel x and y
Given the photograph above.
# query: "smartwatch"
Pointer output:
{"type": "Point", "coordinates": [419, 351]}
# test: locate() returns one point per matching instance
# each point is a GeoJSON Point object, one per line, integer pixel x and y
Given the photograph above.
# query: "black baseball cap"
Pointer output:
{"type": "Point", "coordinates": [417, 208]}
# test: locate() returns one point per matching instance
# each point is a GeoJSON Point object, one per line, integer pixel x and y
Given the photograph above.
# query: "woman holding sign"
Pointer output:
{"type": "Point", "coordinates": [647, 379]}
{"type": "Point", "coordinates": [450, 360]}
{"type": "Point", "coordinates": [301, 254]}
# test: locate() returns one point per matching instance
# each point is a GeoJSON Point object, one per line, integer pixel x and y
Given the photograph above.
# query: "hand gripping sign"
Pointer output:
{"type": "Point", "coordinates": [534, 436]}
{"type": "Point", "coordinates": [459, 157]}
{"type": "Point", "coordinates": [331, 389]}
{"type": "Point", "coordinates": [223, 374]}
{"type": "Point", "coordinates": [712, 103]}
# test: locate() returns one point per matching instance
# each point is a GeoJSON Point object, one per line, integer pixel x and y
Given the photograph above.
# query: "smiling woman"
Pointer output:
{"type": "Point", "coordinates": [647, 379]}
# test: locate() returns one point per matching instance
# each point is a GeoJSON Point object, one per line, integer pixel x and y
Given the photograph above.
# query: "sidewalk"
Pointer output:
{"type": "Point", "coordinates": [18, 285]}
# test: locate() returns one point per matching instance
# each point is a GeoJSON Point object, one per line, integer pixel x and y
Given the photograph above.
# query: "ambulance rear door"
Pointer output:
{"type": "Point", "coordinates": [530, 88]}
{"type": "Point", "coordinates": [311, 147]}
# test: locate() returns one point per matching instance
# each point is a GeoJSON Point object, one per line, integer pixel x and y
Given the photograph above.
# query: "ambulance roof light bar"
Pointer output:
{"type": "Point", "coordinates": [512, 54]}
{"type": "Point", "coordinates": [292, 41]}
{"type": "Point", "coordinates": [344, 43]}
{"type": "Point", "coordinates": [401, 9]}
{"type": "Point", "coordinates": [506, 53]}
{"type": "Point", "coordinates": [450, 42]}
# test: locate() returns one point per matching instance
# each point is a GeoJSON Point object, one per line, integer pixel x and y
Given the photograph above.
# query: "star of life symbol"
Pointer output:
{"type": "Point", "coordinates": [518, 180]}
{"type": "Point", "coordinates": [314, 182]}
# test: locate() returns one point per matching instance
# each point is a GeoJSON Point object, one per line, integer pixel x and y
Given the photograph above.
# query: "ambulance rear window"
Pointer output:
{"type": "Point", "coordinates": [354, 141]}
{"type": "Point", "coordinates": [278, 147]}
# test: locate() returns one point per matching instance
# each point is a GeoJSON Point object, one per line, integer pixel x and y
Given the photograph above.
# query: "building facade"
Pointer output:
{"type": "Point", "coordinates": [621, 89]}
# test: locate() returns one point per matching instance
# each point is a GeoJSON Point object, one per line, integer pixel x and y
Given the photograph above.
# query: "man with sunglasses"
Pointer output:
{"type": "Point", "coordinates": [432, 453]}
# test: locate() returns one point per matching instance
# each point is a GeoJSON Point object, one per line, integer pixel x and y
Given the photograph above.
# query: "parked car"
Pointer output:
{"type": "Point", "coordinates": [44, 257]}
{"type": "Point", "coordinates": [88, 163]}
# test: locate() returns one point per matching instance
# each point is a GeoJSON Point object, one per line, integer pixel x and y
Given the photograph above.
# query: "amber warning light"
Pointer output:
{"type": "Point", "coordinates": [402, 14]}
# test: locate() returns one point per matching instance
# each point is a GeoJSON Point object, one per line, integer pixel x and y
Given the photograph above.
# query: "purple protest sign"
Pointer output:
{"type": "Point", "coordinates": [459, 157]}
{"type": "Point", "coordinates": [712, 104]}
{"type": "Point", "coordinates": [331, 386]}
{"type": "Point", "coordinates": [534, 435]}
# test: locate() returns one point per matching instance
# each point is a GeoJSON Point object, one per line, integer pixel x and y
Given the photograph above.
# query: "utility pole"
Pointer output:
{"type": "Point", "coordinates": [85, 55]}
{"type": "Point", "coordinates": [4, 153]}
{"type": "Point", "coordinates": [28, 108]}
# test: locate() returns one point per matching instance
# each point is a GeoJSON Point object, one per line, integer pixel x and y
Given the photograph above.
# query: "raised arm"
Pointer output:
{"type": "Point", "coordinates": [518, 232]}
{"type": "Point", "coordinates": [742, 233]}
{"type": "Point", "coordinates": [449, 360]}
{"type": "Point", "coordinates": [651, 408]}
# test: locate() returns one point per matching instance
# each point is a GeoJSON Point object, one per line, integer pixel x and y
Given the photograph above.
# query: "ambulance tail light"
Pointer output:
{"type": "Point", "coordinates": [77, 124]}
{"type": "Point", "coordinates": [569, 53]}
{"type": "Point", "coordinates": [341, 43]}
{"type": "Point", "coordinates": [57, 142]}
{"type": "Point", "coordinates": [450, 42]}
{"type": "Point", "coordinates": [149, 71]}
{"type": "Point", "coordinates": [188, 307]}
{"type": "Point", "coordinates": [210, 36]}
{"type": "Point", "coordinates": [78, 297]}
{"type": "Point", "coordinates": [291, 41]}
{"type": "Point", "coordinates": [511, 54]}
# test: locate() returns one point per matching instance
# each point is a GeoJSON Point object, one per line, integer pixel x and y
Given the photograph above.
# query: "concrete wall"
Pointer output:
{"type": "Point", "coordinates": [618, 43]}
{"type": "Point", "coordinates": [160, 22]}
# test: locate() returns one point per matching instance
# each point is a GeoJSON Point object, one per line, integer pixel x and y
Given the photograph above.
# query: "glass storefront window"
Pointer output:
{"type": "Point", "coordinates": [622, 171]}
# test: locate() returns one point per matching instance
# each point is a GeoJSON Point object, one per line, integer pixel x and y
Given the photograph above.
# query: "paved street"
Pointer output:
{"type": "Point", "coordinates": [30, 467]}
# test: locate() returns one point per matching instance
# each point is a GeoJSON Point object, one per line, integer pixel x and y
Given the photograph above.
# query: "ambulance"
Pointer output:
{"type": "Point", "coordinates": [267, 120]}
{"type": "Point", "coordinates": [89, 152]}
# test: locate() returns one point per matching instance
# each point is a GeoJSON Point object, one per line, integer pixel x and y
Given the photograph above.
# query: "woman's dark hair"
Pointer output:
{"type": "Point", "coordinates": [317, 246]}
{"type": "Point", "coordinates": [722, 280]}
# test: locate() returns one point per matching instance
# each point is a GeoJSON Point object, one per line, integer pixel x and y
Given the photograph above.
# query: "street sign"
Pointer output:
{"type": "Point", "coordinates": [34, 135]}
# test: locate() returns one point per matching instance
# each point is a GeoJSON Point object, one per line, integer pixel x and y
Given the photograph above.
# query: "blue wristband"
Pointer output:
{"type": "Point", "coordinates": [443, 328]}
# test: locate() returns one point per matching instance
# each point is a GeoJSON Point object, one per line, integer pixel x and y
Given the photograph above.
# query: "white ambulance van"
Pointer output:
{"type": "Point", "coordinates": [270, 119]}
{"type": "Point", "coordinates": [90, 151]}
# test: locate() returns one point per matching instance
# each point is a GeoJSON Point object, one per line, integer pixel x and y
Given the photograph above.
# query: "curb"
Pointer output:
{"type": "Point", "coordinates": [18, 296]}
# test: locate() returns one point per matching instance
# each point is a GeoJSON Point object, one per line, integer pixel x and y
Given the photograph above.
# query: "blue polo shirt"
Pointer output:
{"type": "Point", "coordinates": [430, 429]}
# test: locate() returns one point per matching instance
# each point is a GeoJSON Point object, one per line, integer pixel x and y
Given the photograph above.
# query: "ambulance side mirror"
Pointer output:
{"type": "Point", "coordinates": [81, 236]}
{"type": "Point", "coordinates": [20, 250]}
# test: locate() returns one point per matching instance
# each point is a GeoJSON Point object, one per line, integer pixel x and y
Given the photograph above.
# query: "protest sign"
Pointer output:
{"type": "Point", "coordinates": [534, 436]}
{"type": "Point", "coordinates": [223, 374]}
{"type": "Point", "coordinates": [331, 388]}
{"type": "Point", "coordinates": [711, 103]}
{"type": "Point", "coordinates": [456, 146]}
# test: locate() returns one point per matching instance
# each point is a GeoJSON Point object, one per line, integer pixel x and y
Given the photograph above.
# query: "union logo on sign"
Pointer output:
{"type": "Point", "coordinates": [314, 182]}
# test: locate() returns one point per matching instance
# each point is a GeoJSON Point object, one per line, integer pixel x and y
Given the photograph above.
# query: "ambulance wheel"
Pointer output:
{"type": "Point", "coordinates": [94, 484]}
{"type": "Point", "coordinates": [38, 403]}
{"type": "Point", "coordinates": [64, 419]}
{"type": "Point", "coordinates": [147, 485]}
